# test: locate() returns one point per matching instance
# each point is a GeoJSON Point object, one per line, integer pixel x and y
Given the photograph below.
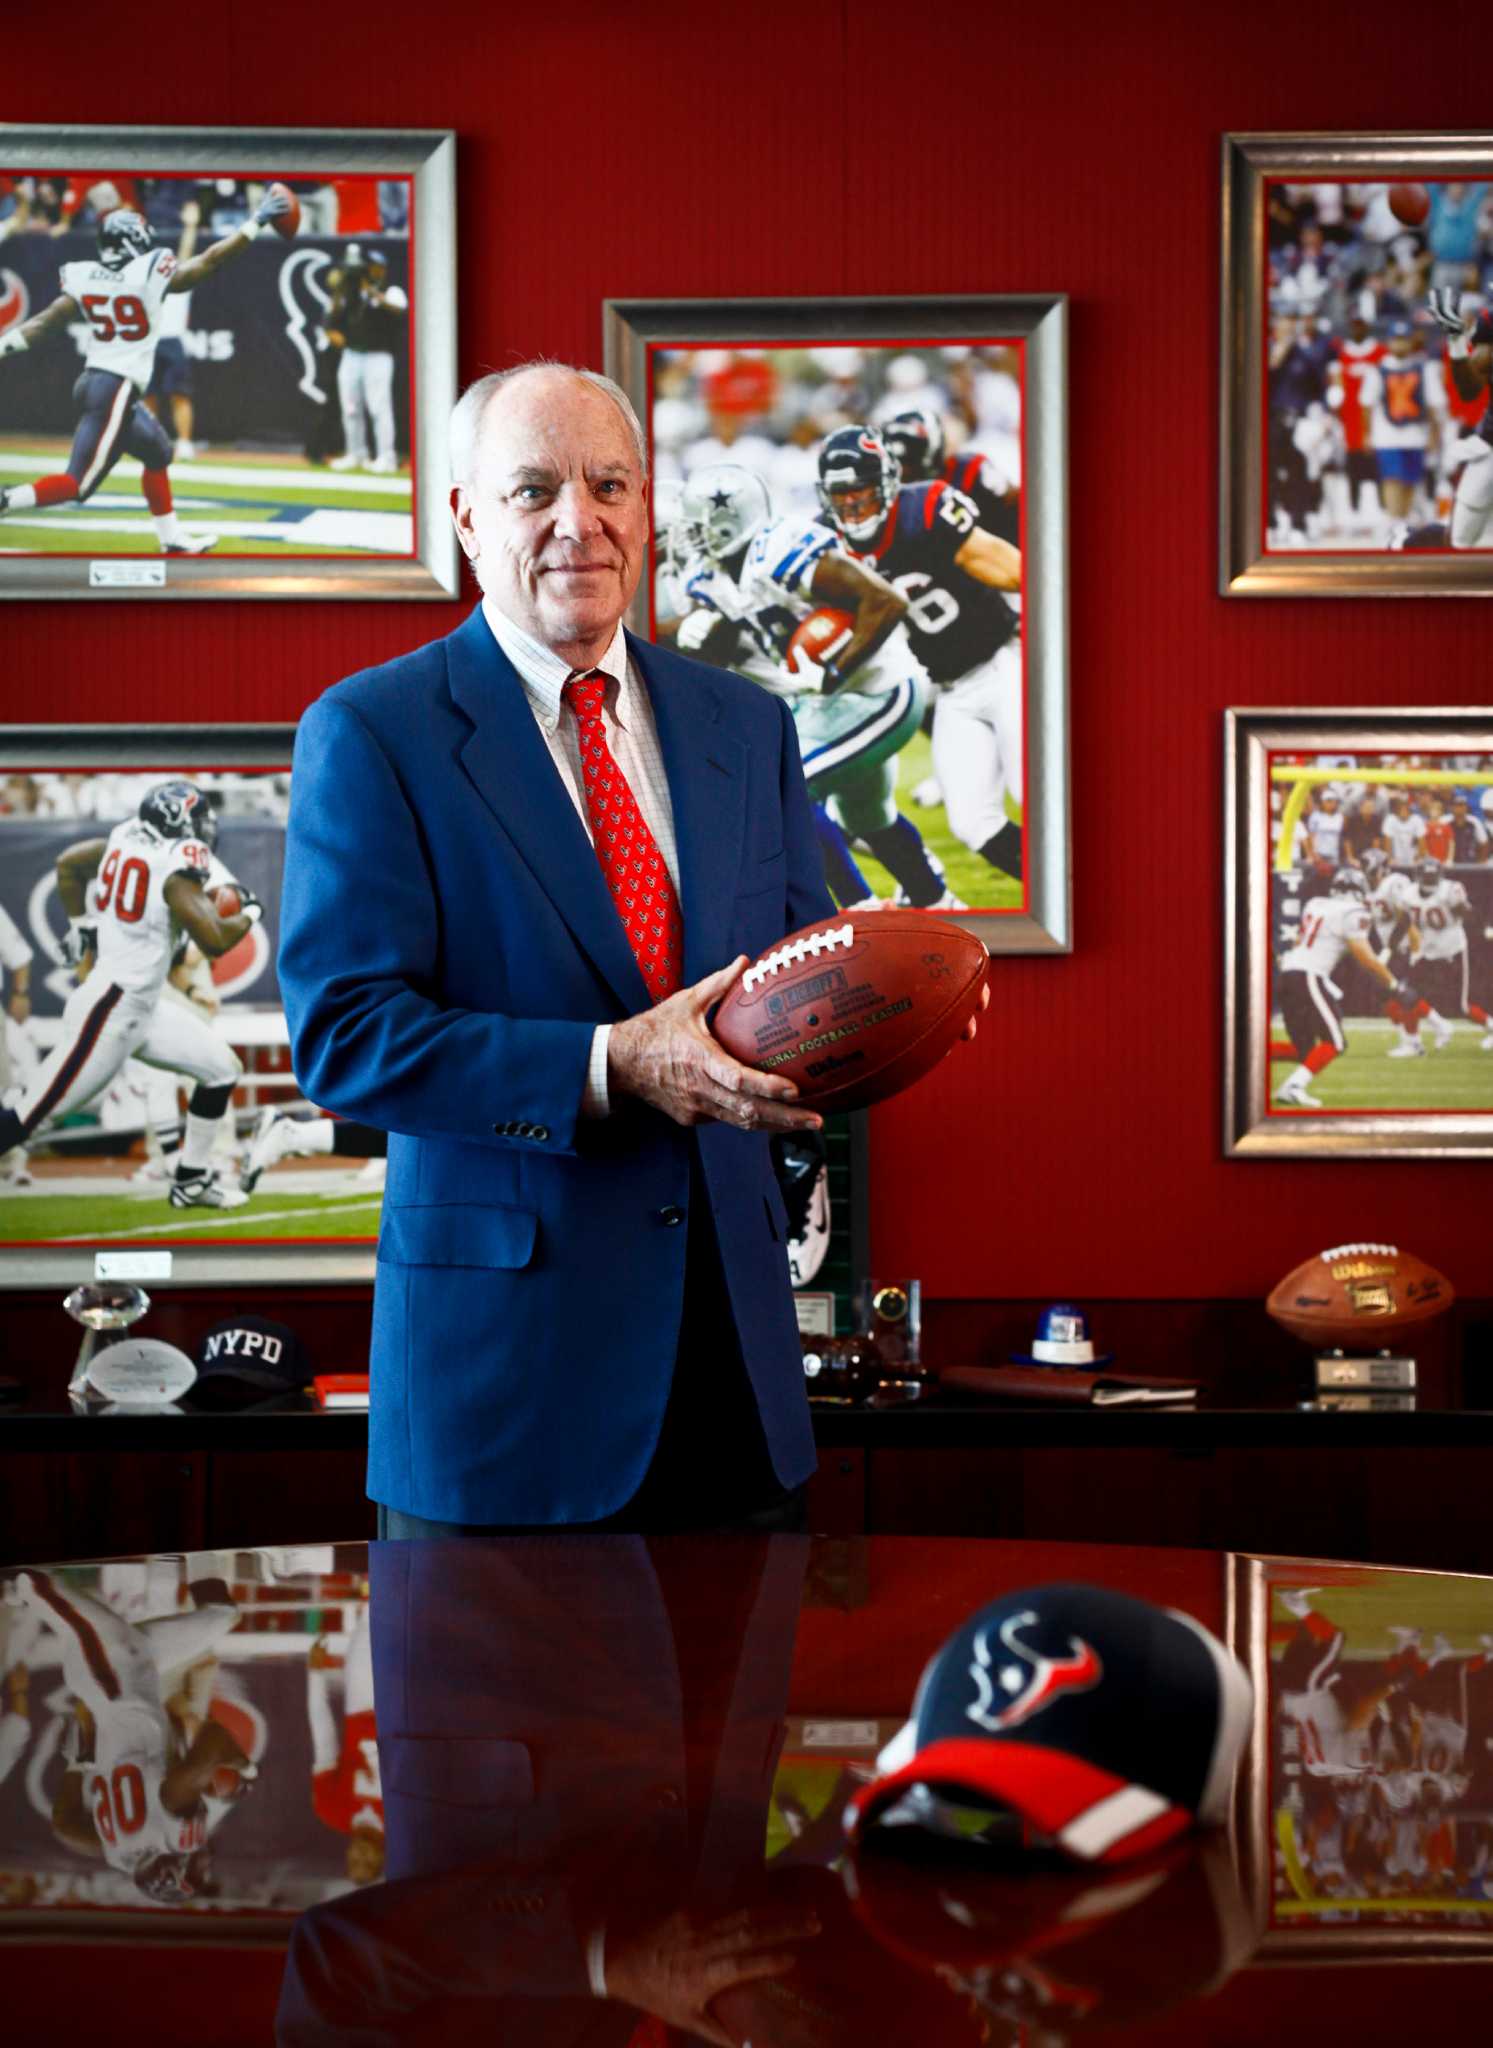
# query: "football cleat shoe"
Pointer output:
{"type": "Point", "coordinates": [203, 1190]}
{"type": "Point", "coordinates": [190, 544]}
{"type": "Point", "coordinates": [1407, 1049]}
{"type": "Point", "coordinates": [384, 465]}
{"type": "Point", "coordinates": [346, 462]}
{"type": "Point", "coordinates": [1442, 1031]}
{"type": "Point", "coordinates": [277, 1135]}
{"type": "Point", "coordinates": [1486, 1044]}
{"type": "Point", "coordinates": [1297, 1097]}
{"type": "Point", "coordinates": [15, 1169]}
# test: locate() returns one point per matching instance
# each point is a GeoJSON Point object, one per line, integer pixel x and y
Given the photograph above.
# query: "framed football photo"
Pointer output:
{"type": "Point", "coordinates": [1356, 436]}
{"type": "Point", "coordinates": [861, 506]}
{"type": "Point", "coordinates": [1358, 917]}
{"type": "Point", "coordinates": [146, 1094]}
{"type": "Point", "coordinates": [1366, 1783]}
{"type": "Point", "coordinates": [227, 357]}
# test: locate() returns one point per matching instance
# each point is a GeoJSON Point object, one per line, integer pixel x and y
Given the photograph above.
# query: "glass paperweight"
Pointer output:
{"type": "Point", "coordinates": [101, 1305]}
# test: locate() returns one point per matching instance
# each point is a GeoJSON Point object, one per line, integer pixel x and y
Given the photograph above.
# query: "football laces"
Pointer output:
{"type": "Point", "coordinates": [808, 948]}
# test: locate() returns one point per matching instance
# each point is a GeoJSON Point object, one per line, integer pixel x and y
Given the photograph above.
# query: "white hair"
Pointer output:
{"type": "Point", "coordinates": [467, 413]}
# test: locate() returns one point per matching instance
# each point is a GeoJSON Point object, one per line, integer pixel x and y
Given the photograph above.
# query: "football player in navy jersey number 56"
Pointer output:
{"type": "Point", "coordinates": [120, 295]}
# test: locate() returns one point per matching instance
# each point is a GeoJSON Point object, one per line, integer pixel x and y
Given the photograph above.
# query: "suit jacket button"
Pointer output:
{"type": "Point", "coordinates": [502, 1130]}
{"type": "Point", "coordinates": [671, 1215]}
{"type": "Point", "coordinates": [539, 1132]}
{"type": "Point", "coordinates": [523, 1130]}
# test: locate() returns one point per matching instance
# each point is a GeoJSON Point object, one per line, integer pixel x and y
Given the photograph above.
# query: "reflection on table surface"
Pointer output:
{"type": "Point", "coordinates": [589, 1789]}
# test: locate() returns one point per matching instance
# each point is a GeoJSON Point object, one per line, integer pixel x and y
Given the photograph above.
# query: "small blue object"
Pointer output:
{"type": "Point", "coordinates": [1062, 1339]}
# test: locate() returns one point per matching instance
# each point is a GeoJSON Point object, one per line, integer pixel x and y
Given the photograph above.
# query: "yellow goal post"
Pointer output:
{"type": "Point", "coordinates": [1304, 779]}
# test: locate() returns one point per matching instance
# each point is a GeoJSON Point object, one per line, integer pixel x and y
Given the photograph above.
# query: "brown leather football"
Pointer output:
{"type": "Point", "coordinates": [1359, 1297]}
{"type": "Point", "coordinates": [856, 1007]}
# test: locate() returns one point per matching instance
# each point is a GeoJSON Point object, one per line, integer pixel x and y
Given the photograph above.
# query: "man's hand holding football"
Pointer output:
{"type": "Point", "coordinates": [667, 1056]}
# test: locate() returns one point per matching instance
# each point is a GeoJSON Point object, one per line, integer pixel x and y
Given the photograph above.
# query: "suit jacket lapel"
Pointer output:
{"type": "Point", "coordinates": [508, 761]}
{"type": "Point", "coordinates": [706, 767]}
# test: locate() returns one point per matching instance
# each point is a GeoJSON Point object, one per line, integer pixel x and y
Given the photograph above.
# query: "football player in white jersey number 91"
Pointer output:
{"type": "Point", "coordinates": [120, 295]}
{"type": "Point", "coordinates": [1310, 1001]}
{"type": "Point", "coordinates": [128, 899]}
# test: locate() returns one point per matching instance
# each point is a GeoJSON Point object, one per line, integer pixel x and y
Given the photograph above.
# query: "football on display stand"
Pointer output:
{"type": "Point", "coordinates": [1359, 1297]}
{"type": "Point", "coordinates": [855, 1008]}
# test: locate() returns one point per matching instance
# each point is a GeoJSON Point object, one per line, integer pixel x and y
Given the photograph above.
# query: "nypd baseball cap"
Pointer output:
{"type": "Point", "coordinates": [263, 1356]}
{"type": "Point", "coordinates": [1063, 1338]}
{"type": "Point", "coordinates": [1070, 1717]}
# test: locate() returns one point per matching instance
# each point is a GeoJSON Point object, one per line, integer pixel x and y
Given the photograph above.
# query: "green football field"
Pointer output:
{"type": "Point", "coordinates": [252, 503]}
{"type": "Point", "coordinates": [144, 1217]}
{"type": "Point", "coordinates": [973, 880]}
{"type": "Point", "coordinates": [1438, 1605]}
{"type": "Point", "coordinates": [1365, 1078]}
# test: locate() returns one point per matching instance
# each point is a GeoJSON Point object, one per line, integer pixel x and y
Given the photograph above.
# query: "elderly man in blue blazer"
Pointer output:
{"type": "Point", "coordinates": [523, 863]}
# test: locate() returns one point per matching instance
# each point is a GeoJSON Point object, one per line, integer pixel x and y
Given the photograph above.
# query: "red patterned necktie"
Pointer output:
{"type": "Point", "coordinates": [630, 860]}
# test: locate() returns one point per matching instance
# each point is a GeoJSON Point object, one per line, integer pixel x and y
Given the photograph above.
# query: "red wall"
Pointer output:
{"type": "Point", "coordinates": [680, 150]}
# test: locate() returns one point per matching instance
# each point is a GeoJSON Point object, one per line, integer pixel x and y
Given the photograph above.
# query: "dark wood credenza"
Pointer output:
{"type": "Point", "coordinates": [1406, 1488]}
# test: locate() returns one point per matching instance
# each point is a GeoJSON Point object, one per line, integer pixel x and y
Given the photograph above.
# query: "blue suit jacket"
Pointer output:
{"type": "Point", "coordinates": [448, 945]}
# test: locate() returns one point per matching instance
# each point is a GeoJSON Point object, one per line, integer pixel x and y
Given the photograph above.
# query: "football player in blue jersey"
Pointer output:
{"type": "Point", "coordinates": [755, 580]}
{"type": "Point", "coordinates": [119, 297]}
{"type": "Point", "coordinates": [918, 440]}
{"type": "Point", "coordinates": [956, 577]}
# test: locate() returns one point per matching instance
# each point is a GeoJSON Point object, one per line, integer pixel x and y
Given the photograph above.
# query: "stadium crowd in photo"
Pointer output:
{"type": "Point", "coordinates": [1377, 355]}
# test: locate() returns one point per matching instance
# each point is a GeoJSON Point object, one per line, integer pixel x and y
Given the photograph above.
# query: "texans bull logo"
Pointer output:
{"type": "Point", "coordinates": [1033, 1681]}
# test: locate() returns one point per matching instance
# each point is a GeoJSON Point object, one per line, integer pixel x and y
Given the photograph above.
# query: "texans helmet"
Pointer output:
{"type": "Point", "coordinates": [1428, 877]}
{"type": "Point", "coordinates": [858, 482]}
{"type": "Point", "coordinates": [123, 234]}
{"type": "Point", "coordinates": [1373, 860]}
{"type": "Point", "coordinates": [916, 438]}
{"type": "Point", "coordinates": [174, 810]}
{"type": "Point", "coordinates": [1348, 881]}
{"type": "Point", "coordinates": [723, 507]}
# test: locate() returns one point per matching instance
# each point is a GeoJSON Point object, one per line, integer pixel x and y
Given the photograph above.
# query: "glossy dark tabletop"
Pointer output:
{"type": "Point", "coordinates": [589, 1789]}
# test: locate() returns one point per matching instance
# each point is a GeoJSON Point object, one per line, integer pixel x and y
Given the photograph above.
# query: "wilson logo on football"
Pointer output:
{"type": "Point", "coordinates": [1044, 1679]}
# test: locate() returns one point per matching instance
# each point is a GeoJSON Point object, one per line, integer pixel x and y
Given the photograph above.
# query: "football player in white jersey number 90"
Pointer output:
{"type": "Point", "coordinates": [147, 1778]}
{"type": "Point", "coordinates": [128, 898]}
{"type": "Point", "coordinates": [120, 296]}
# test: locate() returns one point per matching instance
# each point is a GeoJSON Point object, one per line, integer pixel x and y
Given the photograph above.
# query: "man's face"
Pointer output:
{"type": "Point", "coordinates": [555, 517]}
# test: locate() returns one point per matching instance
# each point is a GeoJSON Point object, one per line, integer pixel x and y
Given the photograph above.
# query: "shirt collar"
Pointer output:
{"type": "Point", "coordinates": [544, 675]}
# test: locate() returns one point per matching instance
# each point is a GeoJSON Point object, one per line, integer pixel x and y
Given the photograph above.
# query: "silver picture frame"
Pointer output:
{"type": "Point", "coordinates": [426, 158]}
{"type": "Point", "coordinates": [635, 328]}
{"type": "Point", "coordinates": [81, 1200]}
{"type": "Point", "coordinates": [1248, 567]}
{"type": "Point", "coordinates": [1254, 1126]}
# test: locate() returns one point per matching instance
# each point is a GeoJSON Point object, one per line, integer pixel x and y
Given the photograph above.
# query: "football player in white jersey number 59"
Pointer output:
{"type": "Point", "coordinates": [120, 296]}
{"type": "Point", "coordinates": [128, 898]}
